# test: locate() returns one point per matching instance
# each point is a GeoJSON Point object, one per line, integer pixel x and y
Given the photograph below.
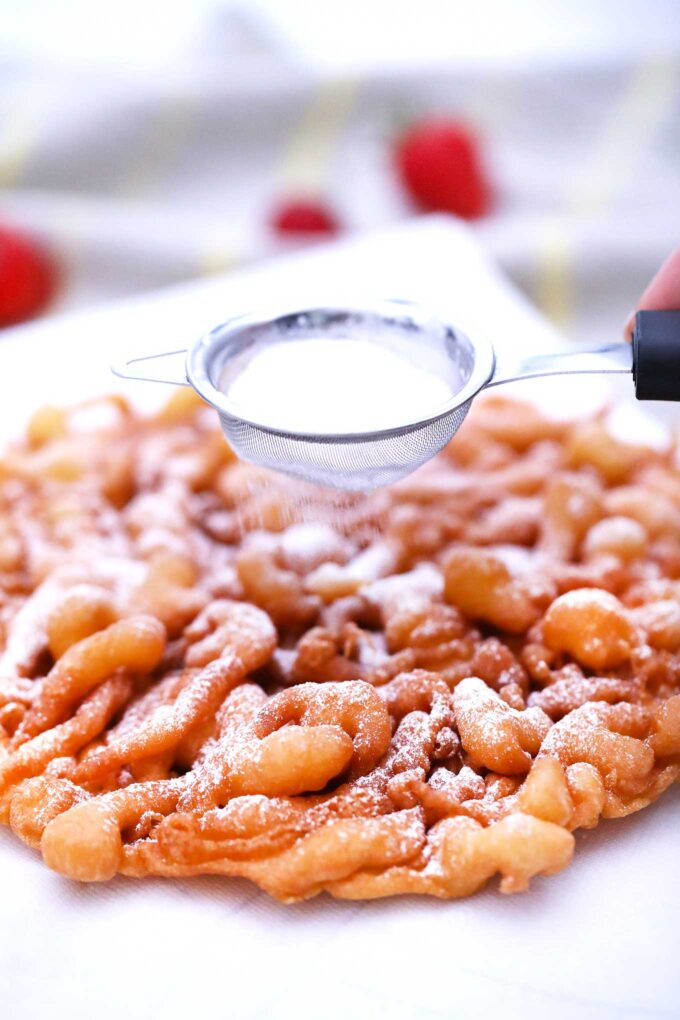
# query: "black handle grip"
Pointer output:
{"type": "Point", "coordinates": [656, 355]}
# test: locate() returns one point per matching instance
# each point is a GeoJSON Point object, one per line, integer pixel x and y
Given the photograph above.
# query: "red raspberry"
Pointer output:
{"type": "Point", "coordinates": [27, 277]}
{"type": "Point", "coordinates": [303, 216]}
{"type": "Point", "coordinates": [440, 166]}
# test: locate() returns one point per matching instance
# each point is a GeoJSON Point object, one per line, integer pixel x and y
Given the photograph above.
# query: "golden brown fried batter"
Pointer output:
{"type": "Point", "coordinates": [206, 668]}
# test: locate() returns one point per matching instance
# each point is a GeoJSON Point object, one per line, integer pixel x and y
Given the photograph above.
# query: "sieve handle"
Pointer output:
{"type": "Point", "coordinates": [178, 375]}
{"type": "Point", "coordinates": [574, 360]}
{"type": "Point", "coordinates": [653, 358]}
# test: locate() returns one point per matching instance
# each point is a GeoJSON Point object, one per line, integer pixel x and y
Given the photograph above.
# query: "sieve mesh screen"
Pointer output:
{"type": "Point", "coordinates": [362, 463]}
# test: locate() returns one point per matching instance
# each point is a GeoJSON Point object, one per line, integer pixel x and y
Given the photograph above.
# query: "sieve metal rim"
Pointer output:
{"type": "Point", "coordinates": [198, 355]}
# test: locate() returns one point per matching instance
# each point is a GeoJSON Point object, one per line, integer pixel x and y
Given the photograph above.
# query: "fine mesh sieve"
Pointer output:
{"type": "Point", "coordinates": [367, 459]}
{"type": "Point", "coordinates": [359, 463]}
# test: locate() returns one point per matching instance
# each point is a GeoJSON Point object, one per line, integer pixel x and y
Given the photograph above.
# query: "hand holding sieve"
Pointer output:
{"type": "Point", "coordinates": [367, 459]}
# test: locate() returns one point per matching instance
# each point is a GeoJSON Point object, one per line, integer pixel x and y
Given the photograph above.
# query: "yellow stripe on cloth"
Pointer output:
{"type": "Point", "coordinates": [163, 139]}
{"type": "Point", "coordinates": [627, 137]}
{"type": "Point", "coordinates": [311, 145]}
{"type": "Point", "coordinates": [216, 258]}
{"type": "Point", "coordinates": [20, 131]}
{"type": "Point", "coordinates": [553, 283]}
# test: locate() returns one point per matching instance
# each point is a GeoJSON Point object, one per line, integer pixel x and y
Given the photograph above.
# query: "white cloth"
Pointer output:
{"type": "Point", "coordinates": [141, 178]}
{"type": "Point", "coordinates": [596, 942]}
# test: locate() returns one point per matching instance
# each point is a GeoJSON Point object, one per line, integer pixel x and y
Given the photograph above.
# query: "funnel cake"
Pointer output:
{"type": "Point", "coordinates": [209, 669]}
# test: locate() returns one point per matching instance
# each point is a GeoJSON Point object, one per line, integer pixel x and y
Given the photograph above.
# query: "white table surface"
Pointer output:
{"type": "Point", "coordinates": [595, 942]}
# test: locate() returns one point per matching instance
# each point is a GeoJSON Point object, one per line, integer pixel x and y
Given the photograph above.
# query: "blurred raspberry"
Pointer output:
{"type": "Point", "coordinates": [27, 277]}
{"type": "Point", "coordinates": [297, 216]}
{"type": "Point", "coordinates": [440, 166]}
